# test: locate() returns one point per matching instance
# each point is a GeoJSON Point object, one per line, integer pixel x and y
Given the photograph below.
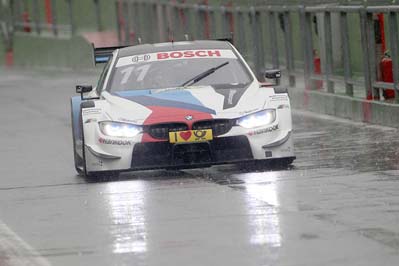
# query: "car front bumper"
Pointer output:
{"type": "Point", "coordinates": [221, 150]}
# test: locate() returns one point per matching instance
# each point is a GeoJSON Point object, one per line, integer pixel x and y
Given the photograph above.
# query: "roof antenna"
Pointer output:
{"type": "Point", "coordinates": [170, 35]}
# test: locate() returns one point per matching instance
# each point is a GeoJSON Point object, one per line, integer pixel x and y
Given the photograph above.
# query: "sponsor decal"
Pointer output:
{"type": "Point", "coordinates": [263, 130]}
{"type": "Point", "coordinates": [115, 142]}
{"type": "Point", "coordinates": [98, 163]}
{"type": "Point", "coordinates": [231, 93]}
{"type": "Point", "coordinates": [190, 136]}
{"type": "Point", "coordinates": [189, 54]}
{"type": "Point", "coordinates": [141, 58]}
{"type": "Point", "coordinates": [91, 111]}
{"type": "Point", "coordinates": [175, 55]}
{"type": "Point", "coordinates": [278, 98]}
{"type": "Point", "coordinates": [189, 117]}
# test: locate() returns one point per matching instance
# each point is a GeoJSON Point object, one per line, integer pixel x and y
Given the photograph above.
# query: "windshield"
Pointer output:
{"type": "Point", "coordinates": [172, 69]}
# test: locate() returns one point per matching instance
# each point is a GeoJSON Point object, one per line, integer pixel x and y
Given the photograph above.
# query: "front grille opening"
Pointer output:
{"type": "Point", "coordinates": [161, 131]}
{"type": "Point", "coordinates": [218, 126]}
{"type": "Point", "coordinates": [192, 153]}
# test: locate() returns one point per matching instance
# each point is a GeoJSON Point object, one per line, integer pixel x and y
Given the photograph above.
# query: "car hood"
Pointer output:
{"type": "Point", "coordinates": [182, 104]}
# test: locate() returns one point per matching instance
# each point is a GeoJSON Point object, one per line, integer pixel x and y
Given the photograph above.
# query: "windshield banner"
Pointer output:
{"type": "Point", "coordinates": [175, 55]}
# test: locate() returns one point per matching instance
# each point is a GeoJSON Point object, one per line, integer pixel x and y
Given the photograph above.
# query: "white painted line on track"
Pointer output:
{"type": "Point", "coordinates": [16, 252]}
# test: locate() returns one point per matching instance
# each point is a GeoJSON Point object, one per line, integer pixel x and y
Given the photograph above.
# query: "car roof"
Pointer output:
{"type": "Point", "coordinates": [172, 46]}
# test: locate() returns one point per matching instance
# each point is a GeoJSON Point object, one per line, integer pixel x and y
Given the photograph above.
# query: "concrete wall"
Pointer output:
{"type": "Point", "coordinates": [49, 52]}
{"type": "Point", "coordinates": [359, 110]}
{"type": "Point", "coordinates": [2, 52]}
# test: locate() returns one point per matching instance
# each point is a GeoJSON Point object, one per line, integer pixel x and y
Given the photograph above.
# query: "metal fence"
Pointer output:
{"type": "Point", "coordinates": [53, 17]}
{"type": "Point", "coordinates": [276, 36]}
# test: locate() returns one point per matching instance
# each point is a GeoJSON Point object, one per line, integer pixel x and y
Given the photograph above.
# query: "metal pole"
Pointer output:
{"type": "Point", "coordinates": [307, 46]}
{"type": "Point", "coordinates": [256, 29]}
{"type": "Point", "coordinates": [125, 10]}
{"type": "Point", "coordinates": [70, 15]}
{"type": "Point", "coordinates": [119, 21]}
{"type": "Point", "coordinates": [372, 50]}
{"type": "Point", "coordinates": [160, 20]}
{"type": "Point", "coordinates": [174, 21]}
{"type": "Point", "coordinates": [225, 18]}
{"type": "Point", "coordinates": [241, 33]}
{"type": "Point", "coordinates": [366, 54]}
{"type": "Point", "coordinates": [273, 39]}
{"type": "Point", "coordinates": [309, 42]}
{"type": "Point", "coordinates": [15, 13]}
{"type": "Point", "coordinates": [328, 65]}
{"type": "Point", "coordinates": [393, 33]}
{"type": "Point", "coordinates": [98, 14]}
{"type": "Point", "coordinates": [289, 51]}
{"type": "Point", "coordinates": [36, 16]}
{"type": "Point", "coordinates": [184, 21]}
{"type": "Point", "coordinates": [134, 22]}
{"type": "Point", "coordinates": [54, 17]}
{"type": "Point", "coordinates": [346, 54]}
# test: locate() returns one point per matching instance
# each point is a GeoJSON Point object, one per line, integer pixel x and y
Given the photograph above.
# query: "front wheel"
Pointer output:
{"type": "Point", "coordinates": [270, 164]}
{"type": "Point", "coordinates": [78, 160]}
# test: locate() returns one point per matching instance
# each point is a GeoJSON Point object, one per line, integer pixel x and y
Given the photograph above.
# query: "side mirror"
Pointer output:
{"type": "Point", "coordinates": [82, 89]}
{"type": "Point", "coordinates": [273, 74]}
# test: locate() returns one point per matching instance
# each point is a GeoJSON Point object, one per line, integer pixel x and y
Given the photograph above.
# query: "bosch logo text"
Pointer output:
{"type": "Point", "coordinates": [188, 54]}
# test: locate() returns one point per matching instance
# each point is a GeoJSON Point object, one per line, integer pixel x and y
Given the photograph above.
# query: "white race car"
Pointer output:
{"type": "Point", "coordinates": [178, 105]}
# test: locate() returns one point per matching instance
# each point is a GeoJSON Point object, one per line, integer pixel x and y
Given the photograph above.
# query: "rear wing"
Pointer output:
{"type": "Point", "coordinates": [101, 55]}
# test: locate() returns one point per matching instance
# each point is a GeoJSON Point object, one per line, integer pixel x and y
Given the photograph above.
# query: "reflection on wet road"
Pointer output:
{"type": "Point", "coordinates": [337, 205]}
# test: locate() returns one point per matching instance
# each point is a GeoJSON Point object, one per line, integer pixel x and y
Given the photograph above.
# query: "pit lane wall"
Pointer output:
{"type": "Point", "coordinates": [356, 109]}
{"type": "Point", "coordinates": [2, 53]}
{"type": "Point", "coordinates": [50, 52]}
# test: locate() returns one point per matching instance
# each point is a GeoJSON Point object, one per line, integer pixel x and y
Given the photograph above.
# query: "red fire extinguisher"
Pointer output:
{"type": "Point", "coordinates": [317, 69]}
{"type": "Point", "coordinates": [387, 74]}
{"type": "Point", "coordinates": [26, 21]}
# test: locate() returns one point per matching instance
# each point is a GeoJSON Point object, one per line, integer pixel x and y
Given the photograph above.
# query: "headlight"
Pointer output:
{"type": "Point", "coordinates": [258, 119]}
{"type": "Point", "coordinates": [117, 129]}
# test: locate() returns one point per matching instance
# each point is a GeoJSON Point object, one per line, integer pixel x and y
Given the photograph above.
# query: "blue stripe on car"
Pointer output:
{"type": "Point", "coordinates": [175, 99]}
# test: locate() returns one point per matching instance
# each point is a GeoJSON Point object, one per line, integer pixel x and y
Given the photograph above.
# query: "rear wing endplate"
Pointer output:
{"type": "Point", "coordinates": [101, 55]}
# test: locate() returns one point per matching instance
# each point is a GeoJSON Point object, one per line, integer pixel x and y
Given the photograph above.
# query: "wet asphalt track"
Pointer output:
{"type": "Point", "coordinates": [338, 205]}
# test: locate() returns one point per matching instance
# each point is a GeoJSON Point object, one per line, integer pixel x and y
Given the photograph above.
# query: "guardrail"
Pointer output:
{"type": "Point", "coordinates": [290, 34]}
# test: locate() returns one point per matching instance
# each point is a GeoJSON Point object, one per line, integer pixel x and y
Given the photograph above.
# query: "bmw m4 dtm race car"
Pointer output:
{"type": "Point", "coordinates": [178, 105]}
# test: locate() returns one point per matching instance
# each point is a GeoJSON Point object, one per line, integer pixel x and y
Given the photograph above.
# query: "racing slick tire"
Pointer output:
{"type": "Point", "coordinates": [77, 159]}
{"type": "Point", "coordinates": [269, 164]}
{"type": "Point", "coordinates": [93, 176]}
{"type": "Point", "coordinates": [283, 163]}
